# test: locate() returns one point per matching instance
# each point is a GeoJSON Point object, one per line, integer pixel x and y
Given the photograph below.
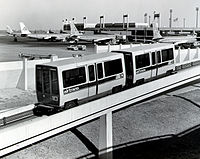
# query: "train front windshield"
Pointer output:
{"type": "Point", "coordinates": [47, 87]}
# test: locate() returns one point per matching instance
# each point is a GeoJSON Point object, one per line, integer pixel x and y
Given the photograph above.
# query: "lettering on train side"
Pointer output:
{"type": "Point", "coordinates": [70, 90]}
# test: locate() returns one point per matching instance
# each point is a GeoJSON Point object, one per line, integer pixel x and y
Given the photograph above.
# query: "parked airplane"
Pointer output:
{"type": "Point", "coordinates": [12, 33]}
{"type": "Point", "coordinates": [44, 37]}
{"type": "Point", "coordinates": [172, 39]}
{"type": "Point", "coordinates": [99, 38]}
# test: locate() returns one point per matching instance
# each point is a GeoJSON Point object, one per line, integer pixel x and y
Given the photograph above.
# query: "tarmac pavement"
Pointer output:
{"type": "Point", "coordinates": [15, 98]}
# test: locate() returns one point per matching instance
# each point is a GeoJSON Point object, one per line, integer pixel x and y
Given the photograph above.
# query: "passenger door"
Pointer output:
{"type": "Point", "coordinates": [129, 68]}
{"type": "Point", "coordinates": [100, 86]}
{"type": "Point", "coordinates": [156, 60]}
{"type": "Point", "coordinates": [92, 85]}
{"type": "Point", "coordinates": [154, 64]}
{"type": "Point", "coordinates": [47, 85]}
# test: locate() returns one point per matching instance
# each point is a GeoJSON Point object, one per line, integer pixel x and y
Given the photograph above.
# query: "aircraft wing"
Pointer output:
{"type": "Point", "coordinates": [96, 39]}
{"type": "Point", "coordinates": [49, 37]}
{"type": "Point", "coordinates": [76, 36]}
{"type": "Point", "coordinates": [103, 39]}
{"type": "Point", "coordinates": [36, 36]}
{"type": "Point", "coordinates": [177, 40]}
{"type": "Point", "coordinates": [180, 42]}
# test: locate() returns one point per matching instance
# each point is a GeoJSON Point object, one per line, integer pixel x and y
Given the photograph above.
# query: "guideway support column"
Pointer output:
{"type": "Point", "coordinates": [106, 136]}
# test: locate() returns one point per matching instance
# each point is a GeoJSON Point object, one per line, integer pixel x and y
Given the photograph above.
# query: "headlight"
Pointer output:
{"type": "Point", "coordinates": [55, 98]}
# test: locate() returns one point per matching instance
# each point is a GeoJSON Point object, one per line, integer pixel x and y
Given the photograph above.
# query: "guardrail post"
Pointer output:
{"type": "Point", "coordinates": [96, 48]}
{"type": "Point", "coordinates": [189, 54]}
{"type": "Point", "coordinates": [105, 136]}
{"type": "Point", "coordinates": [198, 53]}
{"type": "Point", "coordinates": [178, 57]}
{"type": "Point", "coordinates": [4, 121]}
{"type": "Point", "coordinates": [25, 67]}
{"type": "Point", "coordinates": [109, 48]}
{"type": "Point", "coordinates": [54, 57]}
{"type": "Point", "coordinates": [120, 46]}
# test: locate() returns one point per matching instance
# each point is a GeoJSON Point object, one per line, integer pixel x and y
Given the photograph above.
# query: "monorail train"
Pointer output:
{"type": "Point", "coordinates": [66, 83]}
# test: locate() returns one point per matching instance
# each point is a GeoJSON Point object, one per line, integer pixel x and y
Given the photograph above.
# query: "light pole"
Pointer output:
{"type": "Point", "coordinates": [125, 16]}
{"type": "Point", "coordinates": [197, 16]}
{"type": "Point", "coordinates": [145, 18]}
{"type": "Point", "coordinates": [84, 20]}
{"type": "Point", "coordinates": [149, 20]}
{"type": "Point", "coordinates": [156, 17]}
{"type": "Point", "coordinates": [102, 22]}
{"type": "Point", "coordinates": [170, 19]}
{"type": "Point", "coordinates": [183, 22]}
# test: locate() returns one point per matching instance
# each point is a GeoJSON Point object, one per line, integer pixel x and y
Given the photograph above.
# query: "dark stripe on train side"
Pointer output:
{"type": "Point", "coordinates": [151, 67]}
{"type": "Point", "coordinates": [85, 85]}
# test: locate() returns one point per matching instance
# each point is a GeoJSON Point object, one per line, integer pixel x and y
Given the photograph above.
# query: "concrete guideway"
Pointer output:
{"type": "Point", "coordinates": [15, 111]}
{"type": "Point", "coordinates": [31, 131]}
{"type": "Point", "coordinates": [16, 114]}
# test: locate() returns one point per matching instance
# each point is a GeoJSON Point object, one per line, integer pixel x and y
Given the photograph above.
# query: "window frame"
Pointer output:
{"type": "Point", "coordinates": [139, 61]}
{"type": "Point", "coordinates": [76, 77]}
{"type": "Point", "coordinates": [153, 58]}
{"type": "Point", "coordinates": [100, 71]}
{"type": "Point", "coordinates": [110, 67]}
{"type": "Point", "coordinates": [167, 54]}
{"type": "Point", "coordinates": [89, 73]}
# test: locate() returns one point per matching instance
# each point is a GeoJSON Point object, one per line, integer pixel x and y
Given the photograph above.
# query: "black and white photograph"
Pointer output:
{"type": "Point", "coordinates": [99, 79]}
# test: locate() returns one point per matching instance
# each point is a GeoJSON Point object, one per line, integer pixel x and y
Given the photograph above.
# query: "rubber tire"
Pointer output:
{"type": "Point", "coordinates": [69, 105]}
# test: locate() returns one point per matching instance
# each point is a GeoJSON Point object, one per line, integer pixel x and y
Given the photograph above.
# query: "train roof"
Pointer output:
{"type": "Point", "coordinates": [144, 47]}
{"type": "Point", "coordinates": [83, 59]}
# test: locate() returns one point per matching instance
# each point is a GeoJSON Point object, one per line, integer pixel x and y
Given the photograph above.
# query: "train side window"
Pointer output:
{"type": "Point", "coordinates": [167, 55]}
{"type": "Point", "coordinates": [113, 67]}
{"type": "Point", "coordinates": [54, 82]}
{"type": "Point", "coordinates": [91, 73]}
{"type": "Point", "coordinates": [142, 60]}
{"type": "Point", "coordinates": [158, 57]}
{"type": "Point", "coordinates": [100, 70]}
{"type": "Point", "coordinates": [153, 57]}
{"type": "Point", "coordinates": [170, 54]}
{"type": "Point", "coordinates": [39, 79]}
{"type": "Point", "coordinates": [74, 76]}
{"type": "Point", "coordinates": [46, 78]}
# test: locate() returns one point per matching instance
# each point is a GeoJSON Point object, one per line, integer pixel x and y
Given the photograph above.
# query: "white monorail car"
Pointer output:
{"type": "Point", "coordinates": [147, 62]}
{"type": "Point", "coordinates": [64, 83]}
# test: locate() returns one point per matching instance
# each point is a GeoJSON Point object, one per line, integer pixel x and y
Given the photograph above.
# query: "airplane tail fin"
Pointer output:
{"type": "Point", "coordinates": [73, 29]}
{"type": "Point", "coordinates": [156, 32]}
{"type": "Point", "coordinates": [24, 29]}
{"type": "Point", "coordinates": [9, 30]}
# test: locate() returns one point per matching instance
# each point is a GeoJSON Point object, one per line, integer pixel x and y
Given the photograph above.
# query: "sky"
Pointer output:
{"type": "Point", "coordinates": [48, 14]}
